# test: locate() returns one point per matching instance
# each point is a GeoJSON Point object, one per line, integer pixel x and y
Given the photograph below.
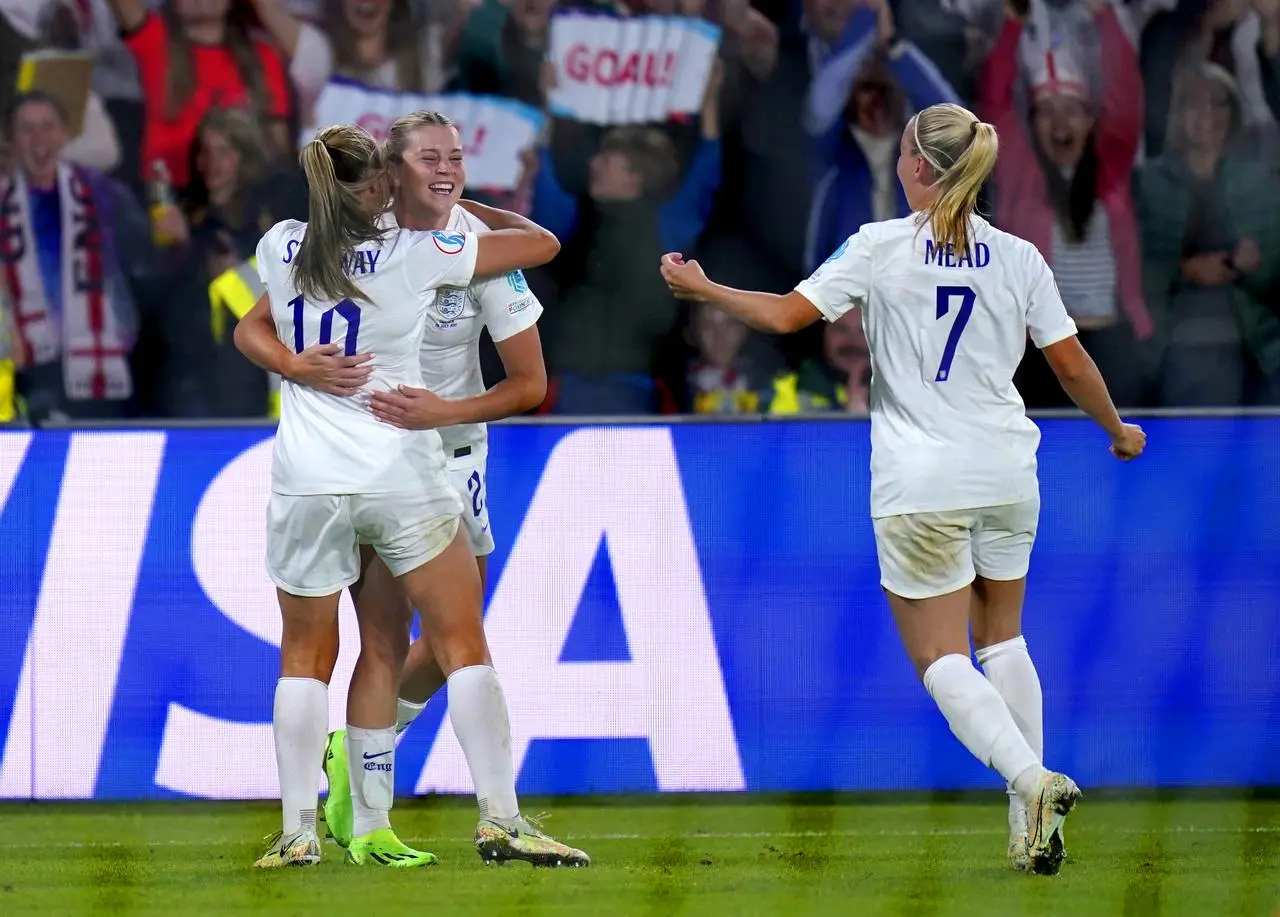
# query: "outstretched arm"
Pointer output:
{"type": "Point", "coordinates": [767, 312]}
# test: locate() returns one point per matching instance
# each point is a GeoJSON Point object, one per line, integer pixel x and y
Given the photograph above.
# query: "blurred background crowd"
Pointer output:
{"type": "Point", "coordinates": [1139, 152]}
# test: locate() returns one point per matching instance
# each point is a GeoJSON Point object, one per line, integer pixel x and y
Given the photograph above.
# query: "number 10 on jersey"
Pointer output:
{"type": "Point", "coordinates": [350, 313]}
{"type": "Point", "coordinates": [967, 298]}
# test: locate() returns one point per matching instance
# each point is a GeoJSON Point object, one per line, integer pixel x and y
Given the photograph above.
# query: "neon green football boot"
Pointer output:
{"type": "Point", "coordinates": [383, 848]}
{"type": "Point", "coordinates": [337, 807]}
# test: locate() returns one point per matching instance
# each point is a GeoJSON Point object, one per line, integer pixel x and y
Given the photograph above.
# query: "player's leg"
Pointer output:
{"type": "Point", "coordinates": [1002, 554]}
{"type": "Point", "coordinates": [383, 617]}
{"type": "Point", "coordinates": [376, 595]}
{"type": "Point", "coordinates": [927, 570]}
{"type": "Point", "coordinates": [447, 593]}
{"type": "Point", "coordinates": [423, 676]}
{"type": "Point", "coordinates": [311, 557]}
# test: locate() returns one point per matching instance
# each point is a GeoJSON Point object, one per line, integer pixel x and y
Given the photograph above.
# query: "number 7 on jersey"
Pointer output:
{"type": "Point", "coordinates": [967, 298]}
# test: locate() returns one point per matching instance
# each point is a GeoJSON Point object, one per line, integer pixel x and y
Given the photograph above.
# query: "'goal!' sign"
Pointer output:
{"type": "Point", "coordinates": [636, 70]}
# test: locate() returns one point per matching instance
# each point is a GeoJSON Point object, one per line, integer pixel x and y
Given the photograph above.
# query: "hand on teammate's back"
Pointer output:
{"type": "Point", "coordinates": [1130, 443]}
{"type": "Point", "coordinates": [324, 367]}
{"type": "Point", "coordinates": [412, 409]}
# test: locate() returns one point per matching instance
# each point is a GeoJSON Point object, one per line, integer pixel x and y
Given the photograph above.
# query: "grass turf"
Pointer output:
{"type": "Point", "coordinates": [1154, 856]}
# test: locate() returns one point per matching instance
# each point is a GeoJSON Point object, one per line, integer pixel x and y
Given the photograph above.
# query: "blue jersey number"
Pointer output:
{"type": "Point", "coordinates": [967, 299]}
{"type": "Point", "coordinates": [347, 309]}
{"type": "Point", "coordinates": [475, 487]}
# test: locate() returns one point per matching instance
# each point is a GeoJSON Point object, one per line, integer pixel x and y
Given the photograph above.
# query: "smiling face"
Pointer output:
{"type": "Point", "coordinates": [39, 134]}
{"type": "Point", "coordinates": [1062, 124]}
{"type": "Point", "coordinates": [430, 178]}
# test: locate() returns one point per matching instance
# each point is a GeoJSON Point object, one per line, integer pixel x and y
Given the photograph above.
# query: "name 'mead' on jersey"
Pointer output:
{"type": "Point", "coordinates": [327, 444]}
{"type": "Point", "coordinates": [946, 331]}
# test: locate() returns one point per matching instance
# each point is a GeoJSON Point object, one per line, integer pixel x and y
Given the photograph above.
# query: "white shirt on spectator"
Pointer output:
{"type": "Point", "coordinates": [946, 332]}
{"type": "Point", "coordinates": [328, 444]}
{"type": "Point", "coordinates": [98, 145]}
{"type": "Point", "coordinates": [882, 160]}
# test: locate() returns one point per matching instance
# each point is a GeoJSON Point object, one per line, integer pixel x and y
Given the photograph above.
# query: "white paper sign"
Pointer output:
{"type": "Point", "coordinates": [494, 130]}
{"type": "Point", "coordinates": [696, 58]}
{"type": "Point", "coordinates": [635, 70]}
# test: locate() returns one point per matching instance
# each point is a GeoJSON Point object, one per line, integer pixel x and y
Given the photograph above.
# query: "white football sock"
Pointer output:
{"type": "Point", "coordinates": [406, 713]}
{"type": "Point", "coordinates": [1009, 668]}
{"type": "Point", "coordinates": [371, 763]}
{"type": "Point", "coordinates": [300, 722]}
{"type": "Point", "coordinates": [478, 711]}
{"type": "Point", "coordinates": [979, 718]}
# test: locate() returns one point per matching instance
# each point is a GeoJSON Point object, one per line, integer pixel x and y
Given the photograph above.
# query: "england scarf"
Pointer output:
{"type": "Point", "coordinates": [88, 339]}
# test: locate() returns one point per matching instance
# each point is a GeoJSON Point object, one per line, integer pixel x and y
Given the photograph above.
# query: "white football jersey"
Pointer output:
{"type": "Point", "coordinates": [328, 444]}
{"type": "Point", "coordinates": [451, 339]}
{"type": "Point", "coordinates": [946, 331]}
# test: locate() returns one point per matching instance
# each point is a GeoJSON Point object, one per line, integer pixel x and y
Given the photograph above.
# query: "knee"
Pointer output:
{"type": "Point", "coordinates": [989, 633]}
{"type": "Point", "coordinates": [460, 648]}
{"type": "Point", "coordinates": [309, 652]}
{"type": "Point", "coordinates": [925, 657]}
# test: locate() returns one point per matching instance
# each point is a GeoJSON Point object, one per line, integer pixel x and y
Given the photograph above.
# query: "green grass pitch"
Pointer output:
{"type": "Point", "coordinates": [939, 856]}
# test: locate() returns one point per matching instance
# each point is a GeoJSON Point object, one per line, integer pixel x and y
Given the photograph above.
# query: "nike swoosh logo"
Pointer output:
{"type": "Point", "coordinates": [369, 757]}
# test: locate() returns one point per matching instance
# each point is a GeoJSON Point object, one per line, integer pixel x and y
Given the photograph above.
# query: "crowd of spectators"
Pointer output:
{"type": "Point", "coordinates": [1139, 153]}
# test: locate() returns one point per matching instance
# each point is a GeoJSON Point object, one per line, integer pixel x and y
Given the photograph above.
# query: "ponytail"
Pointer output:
{"type": "Point", "coordinates": [340, 164]}
{"type": "Point", "coordinates": [962, 151]}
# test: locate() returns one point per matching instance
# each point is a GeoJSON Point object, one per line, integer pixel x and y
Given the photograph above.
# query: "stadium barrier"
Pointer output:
{"type": "Point", "coordinates": [676, 607]}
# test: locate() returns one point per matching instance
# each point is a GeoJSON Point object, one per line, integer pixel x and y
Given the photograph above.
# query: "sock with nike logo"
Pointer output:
{"type": "Point", "coordinates": [371, 755]}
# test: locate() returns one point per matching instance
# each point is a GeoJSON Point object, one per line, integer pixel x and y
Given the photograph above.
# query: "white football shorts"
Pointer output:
{"type": "Point", "coordinates": [467, 466]}
{"type": "Point", "coordinates": [313, 540]}
{"type": "Point", "coordinates": [923, 555]}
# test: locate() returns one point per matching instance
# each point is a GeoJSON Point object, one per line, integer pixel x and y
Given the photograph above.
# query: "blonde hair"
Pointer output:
{"type": "Point", "coordinates": [397, 141]}
{"type": "Point", "coordinates": [962, 151]}
{"type": "Point", "coordinates": [1186, 80]}
{"type": "Point", "coordinates": [342, 163]}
